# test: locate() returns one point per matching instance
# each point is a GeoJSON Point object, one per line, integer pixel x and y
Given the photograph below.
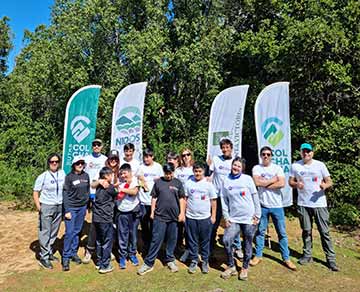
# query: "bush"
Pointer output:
{"type": "Point", "coordinates": [346, 214]}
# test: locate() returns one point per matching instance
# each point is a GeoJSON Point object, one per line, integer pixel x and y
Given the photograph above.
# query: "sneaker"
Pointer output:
{"type": "Point", "coordinates": [185, 256]}
{"type": "Point", "coordinates": [144, 269]}
{"type": "Point", "coordinates": [205, 267]}
{"type": "Point", "coordinates": [134, 260]}
{"type": "Point", "coordinates": [46, 264]}
{"type": "Point", "coordinates": [108, 269]}
{"type": "Point", "coordinates": [254, 261]}
{"type": "Point", "coordinates": [112, 257]}
{"type": "Point", "coordinates": [333, 267]}
{"type": "Point", "coordinates": [53, 258]}
{"type": "Point", "coordinates": [66, 265]}
{"type": "Point", "coordinates": [192, 268]}
{"type": "Point", "coordinates": [305, 260]}
{"type": "Point", "coordinates": [97, 266]}
{"type": "Point", "coordinates": [228, 273]}
{"type": "Point", "coordinates": [290, 265]}
{"type": "Point", "coordinates": [87, 257]}
{"type": "Point", "coordinates": [239, 253]}
{"type": "Point", "coordinates": [122, 263]}
{"type": "Point", "coordinates": [243, 276]}
{"type": "Point", "coordinates": [76, 259]}
{"type": "Point", "coordinates": [172, 266]}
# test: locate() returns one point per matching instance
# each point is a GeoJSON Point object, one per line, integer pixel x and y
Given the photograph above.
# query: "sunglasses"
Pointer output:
{"type": "Point", "coordinates": [114, 159]}
{"type": "Point", "coordinates": [265, 154]}
{"type": "Point", "coordinates": [306, 151]}
{"type": "Point", "coordinates": [54, 161]}
{"type": "Point", "coordinates": [186, 154]}
{"type": "Point", "coordinates": [96, 145]}
{"type": "Point", "coordinates": [80, 163]}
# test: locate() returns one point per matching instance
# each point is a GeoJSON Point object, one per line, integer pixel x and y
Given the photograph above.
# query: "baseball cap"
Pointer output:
{"type": "Point", "coordinates": [306, 146]}
{"type": "Point", "coordinates": [113, 153]}
{"type": "Point", "coordinates": [97, 141]}
{"type": "Point", "coordinates": [77, 159]}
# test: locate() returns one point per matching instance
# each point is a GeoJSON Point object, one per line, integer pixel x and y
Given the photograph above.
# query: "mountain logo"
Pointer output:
{"type": "Point", "coordinates": [129, 121]}
{"type": "Point", "coordinates": [79, 129]}
{"type": "Point", "coordinates": [271, 130]}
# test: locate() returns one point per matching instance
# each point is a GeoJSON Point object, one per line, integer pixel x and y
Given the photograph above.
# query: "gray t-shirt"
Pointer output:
{"type": "Point", "coordinates": [50, 185]}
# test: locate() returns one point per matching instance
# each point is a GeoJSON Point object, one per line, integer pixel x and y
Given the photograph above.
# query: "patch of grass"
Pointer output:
{"type": "Point", "coordinates": [270, 275]}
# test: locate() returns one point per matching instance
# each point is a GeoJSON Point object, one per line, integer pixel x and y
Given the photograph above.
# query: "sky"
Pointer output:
{"type": "Point", "coordinates": [24, 14]}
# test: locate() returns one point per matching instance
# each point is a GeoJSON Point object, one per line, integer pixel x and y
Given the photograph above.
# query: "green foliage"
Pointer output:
{"type": "Point", "coordinates": [5, 44]}
{"type": "Point", "coordinates": [346, 214]}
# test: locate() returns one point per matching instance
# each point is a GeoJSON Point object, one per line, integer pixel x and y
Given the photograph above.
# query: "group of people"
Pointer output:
{"type": "Point", "coordinates": [182, 203]}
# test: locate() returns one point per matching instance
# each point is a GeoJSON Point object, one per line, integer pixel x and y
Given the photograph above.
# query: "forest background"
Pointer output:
{"type": "Point", "coordinates": [188, 51]}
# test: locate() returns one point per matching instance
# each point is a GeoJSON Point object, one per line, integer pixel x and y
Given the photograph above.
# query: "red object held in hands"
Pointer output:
{"type": "Point", "coordinates": [121, 195]}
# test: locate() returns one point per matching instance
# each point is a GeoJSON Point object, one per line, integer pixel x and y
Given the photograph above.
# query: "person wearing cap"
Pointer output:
{"type": "Point", "coordinates": [270, 178]}
{"type": "Point", "coordinates": [219, 168]}
{"type": "Point", "coordinates": [167, 209]}
{"type": "Point", "coordinates": [151, 171]}
{"type": "Point", "coordinates": [75, 198]}
{"type": "Point", "coordinates": [311, 178]}
{"type": "Point", "coordinates": [49, 185]}
{"type": "Point", "coordinates": [129, 151]}
{"type": "Point", "coordinates": [94, 162]}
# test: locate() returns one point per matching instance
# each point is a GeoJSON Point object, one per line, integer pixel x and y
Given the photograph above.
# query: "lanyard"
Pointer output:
{"type": "Point", "coordinates": [57, 182]}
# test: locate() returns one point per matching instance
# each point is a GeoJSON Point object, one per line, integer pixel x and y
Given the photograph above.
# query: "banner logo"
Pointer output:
{"type": "Point", "coordinates": [271, 130]}
{"type": "Point", "coordinates": [79, 129]}
{"type": "Point", "coordinates": [129, 125]}
{"type": "Point", "coordinates": [217, 136]}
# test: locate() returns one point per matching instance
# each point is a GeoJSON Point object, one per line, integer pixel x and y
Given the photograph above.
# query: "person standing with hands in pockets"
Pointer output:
{"type": "Point", "coordinates": [50, 185]}
{"type": "Point", "coordinates": [311, 178]}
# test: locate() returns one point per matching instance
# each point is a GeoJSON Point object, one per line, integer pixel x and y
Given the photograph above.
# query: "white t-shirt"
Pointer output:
{"type": "Point", "coordinates": [221, 168]}
{"type": "Point", "coordinates": [50, 185]}
{"type": "Point", "coordinates": [183, 174]}
{"type": "Point", "coordinates": [269, 198]}
{"type": "Point", "coordinates": [239, 199]}
{"type": "Point", "coordinates": [199, 194]}
{"type": "Point", "coordinates": [150, 173]}
{"type": "Point", "coordinates": [93, 167]}
{"type": "Point", "coordinates": [134, 164]}
{"type": "Point", "coordinates": [311, 175]}
{"type": "Point", "coordinates": [129, 202]}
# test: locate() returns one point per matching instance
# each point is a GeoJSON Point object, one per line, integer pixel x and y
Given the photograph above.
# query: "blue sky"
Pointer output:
{"type": "Point", "coordinates": [24, 14]}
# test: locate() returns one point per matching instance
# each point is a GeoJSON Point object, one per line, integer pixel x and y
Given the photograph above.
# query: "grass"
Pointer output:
{"type": "Point", "coordinates": [270, 275]}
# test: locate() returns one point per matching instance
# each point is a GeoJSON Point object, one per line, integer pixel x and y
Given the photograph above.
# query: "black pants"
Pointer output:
{"type": "Point", "coordinates": [146, 227]}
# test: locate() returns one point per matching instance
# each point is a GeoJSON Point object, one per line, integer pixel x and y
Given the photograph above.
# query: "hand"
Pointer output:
{"type": "Point", "coordinates": [104, 183]}
{"type": "Point", "coordinates": [227, 223]}
{"type": "Point", "coordinates": [255, 220]}
{"type": "Point", "coordinates": [323, 185]}
{"type": "Point", "coordinates": [38, 207]}
{"type": "Point", "coordinates": [152, 215]}
{"type": "Point", "coordinates": [275, 179]}
{"type": "Point", "coordinates": [68, 216]}
{"type": "Point", "coordinates": [213, 220]}
{"type": "Point", "coordinates": [181, 218]}
{"type": "Point", "coordinates": [300, 185]}
{"type": "Point", "coordinates": [209, 161]}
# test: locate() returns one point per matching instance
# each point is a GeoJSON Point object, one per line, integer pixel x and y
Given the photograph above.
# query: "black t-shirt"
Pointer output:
{"type": "Point", "coordinates": [103, 208]}
{"type": "Point", "coordinates": [76, 190]}
{"type": "Point", "coordinates": [167, 194]}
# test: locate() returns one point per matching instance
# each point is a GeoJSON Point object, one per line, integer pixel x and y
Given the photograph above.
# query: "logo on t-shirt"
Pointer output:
{"type": "Point", "coordinates": [302, 173]}
{"type": "Point", "coordinates": [173, 188]}
{"type": "Point", "coordinates": [52, 181]}
{"type": "Point", "coordinates": [203, 197]}
{"type": "Point", "coordinates": [315, 179]}
{"type": "Point", "coordinates": [242, 194]}
{"type": "Point", "coordinates": [192, 191]}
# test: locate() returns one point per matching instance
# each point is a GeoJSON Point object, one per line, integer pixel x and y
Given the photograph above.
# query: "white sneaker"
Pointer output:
{"type": "Point", "coordinates": [144, 269]}
{"type": "Point", "coordinates": [173, 267]}
{"type": "Point", "coordinates": [229, 272]}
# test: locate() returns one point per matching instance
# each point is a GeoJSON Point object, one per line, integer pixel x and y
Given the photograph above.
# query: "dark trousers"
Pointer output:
{"type": "Point", "coordinates": [321, 217]}
{"type": "Point", "coordinates": [162, 230]}
{"type": "Point", "coordinates": [146, 226]}
{"type": "Point", "coordinates": [90, 246]}
{"type": "Point", "coordinates": [198, 234]}
{"type": "Point", "coordinates": [127, 225]}
{"type": "Point", "coordinates": [104, 242]}
{"type": "Point", "coordinates": [72, 231]}
{"type": "Point", "coordinates": [248, 231]}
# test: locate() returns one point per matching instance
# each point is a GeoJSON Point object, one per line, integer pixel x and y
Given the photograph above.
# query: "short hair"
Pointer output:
{"type": "Point", "coordinates": [172, 155]}
{"type": "Point", "coordinates": [148, 152]}
{"type": "Point", "coordinates": [125, 167]}
{"type": "Point", "coordinates": [105, 171]}
{"type": "Point", "coordinates": [265, 148]}
{"type": "Point", "coordinates": [129, 146]}
{"type": "Point", "coordinates": [51, 155]}
{"type": "Point", "coordinates": [225, 141]}
{"type": "Point", "coordinates": [168, 167]}
{"type": "Point", "coordinates": [198, 165]}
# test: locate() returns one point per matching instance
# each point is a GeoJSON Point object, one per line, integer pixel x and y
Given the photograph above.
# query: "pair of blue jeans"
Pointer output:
{"type": "Point", "coordinates": [127, 225]}
{"type": "Point", "coordinates": [104, 241]}
{"type": "Point", "coordinates": [278, 218]}
{"type": "Point", "coordinates": [231, 233]}
{"type": "Point", "coordinates": [198, 234]}
{"type": "Point", "coordinates": [162, 230]}
{"type": "Point", "coordinates": [72, 231]}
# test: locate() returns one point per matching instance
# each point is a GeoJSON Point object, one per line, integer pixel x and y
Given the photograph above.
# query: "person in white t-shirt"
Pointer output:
{"type": "Point", "coordinates": [270, 178]}
{"type": "Point", "coordinates": [49, 185]}
{"type": "Point", "coordinates": [200, 216]}
{"type": "Point", "coordinates": [94, 162]}
{"type": "Point", "coordinates": [150, 170]}
{"type": "Point", "coordinates": [129, 151]}
{"type": "Point", "coordinates": [219, 168]}
{"type": "Point", "coordinates": [311, 178]}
